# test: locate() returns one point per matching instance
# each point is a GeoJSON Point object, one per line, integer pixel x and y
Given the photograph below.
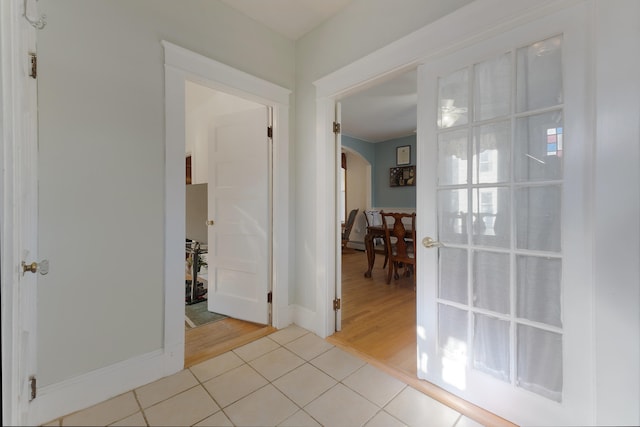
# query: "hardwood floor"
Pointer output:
{"type": "Point", "coordinates": [378, 320]}
{"type": "Point", "coordinates": [212, 339]}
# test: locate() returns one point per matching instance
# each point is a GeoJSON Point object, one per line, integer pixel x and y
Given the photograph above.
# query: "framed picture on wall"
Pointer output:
{"type": "Point", "coordinates": [403, 155]}
{"type": "Point", "coordinates": [402, 176]}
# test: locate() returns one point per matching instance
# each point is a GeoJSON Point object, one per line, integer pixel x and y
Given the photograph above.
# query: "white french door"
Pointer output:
{"type": "Point", "coordinates": [239, 207]}
{"type": "Point", "coordinates": [504, 313]}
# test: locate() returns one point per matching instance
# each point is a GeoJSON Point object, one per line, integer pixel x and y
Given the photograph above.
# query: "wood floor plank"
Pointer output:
{"type": "Point", "coordinates": [378, 320]}
{"type": "Point", "coordinates": [213, 339]}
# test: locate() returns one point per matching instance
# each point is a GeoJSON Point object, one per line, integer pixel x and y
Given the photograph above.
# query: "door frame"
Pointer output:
{"type": "Point", "coordinates": [479, 20]}
{"type": "Point", "coordinates": [182, 65]}
{"type": "Point", "coordinates": [18, 207]}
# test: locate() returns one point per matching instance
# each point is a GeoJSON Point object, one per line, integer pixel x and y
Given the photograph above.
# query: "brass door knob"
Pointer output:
{"type": "Point", "coordinates": [33, 267]}
{"type": "Point", "coordinates": [42, 267]}
{"type": "Point", "coordinates": [428, 242]}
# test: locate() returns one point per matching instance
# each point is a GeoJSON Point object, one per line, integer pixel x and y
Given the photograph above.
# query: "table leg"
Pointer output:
{"type": "Point", "coordinates": [371, 253]}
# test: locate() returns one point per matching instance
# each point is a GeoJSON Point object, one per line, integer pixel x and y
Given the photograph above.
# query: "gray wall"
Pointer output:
{"type": "Point", "coordinates": [382, 157]}
{"type": "Point", "coordinates": [385, 196]}
{"type": "Point", "coordinates": [101, 124]}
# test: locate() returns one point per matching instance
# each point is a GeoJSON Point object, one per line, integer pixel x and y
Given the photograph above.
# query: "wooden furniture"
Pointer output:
{"type": "Point", "coordinates": [374, 233]}
{"type": "Point", "coordinates": [348, 226]}
{"type": "Point", "coordinates": [400, 240]}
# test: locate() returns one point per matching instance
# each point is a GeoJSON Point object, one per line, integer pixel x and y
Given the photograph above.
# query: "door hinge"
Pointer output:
{"type": "Point", "coordinates": [336, 304]}
{"type": "Point", "coordinates": [32, 385]}
{"type": "Point", "coordinates": [270, 297]}
{"type": "Point", "coordinates": [34, 65]}
{"type": "Point", "coordinates": [336, 127]}
{"type": "Point", "coordinates": [270, 132]}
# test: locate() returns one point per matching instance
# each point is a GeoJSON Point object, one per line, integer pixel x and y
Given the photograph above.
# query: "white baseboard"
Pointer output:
{"type": "Point", "coordinates": [283, 317]}
{"type": "Point", "coordinates": [306, 319]}
{"type": "Point", "coordinates": [81, 392]}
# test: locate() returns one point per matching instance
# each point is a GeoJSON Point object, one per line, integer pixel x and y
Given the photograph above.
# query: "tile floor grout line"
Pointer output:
{"type": "Point", "coordinates": [220, 408]}
{"type": "Point", "coordinates": [306, 360]}
{"type": "Point", "coordinates": [269, 382]}
{"type": "Point", "coordinates": [144, 415]}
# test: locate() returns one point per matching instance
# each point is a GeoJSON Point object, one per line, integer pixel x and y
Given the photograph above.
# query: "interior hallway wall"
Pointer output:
{"type": "Point", "coordinates": [101, 94]}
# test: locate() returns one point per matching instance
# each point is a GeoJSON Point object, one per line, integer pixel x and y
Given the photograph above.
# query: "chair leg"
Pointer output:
{"type": "Point", "coordinates": [389, 272]}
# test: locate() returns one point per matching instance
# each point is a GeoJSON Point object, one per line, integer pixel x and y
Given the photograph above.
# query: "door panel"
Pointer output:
{"type": "Point", "coordinates": [239, 183]}
{"type": "Point", "coordinates": [498, 323]}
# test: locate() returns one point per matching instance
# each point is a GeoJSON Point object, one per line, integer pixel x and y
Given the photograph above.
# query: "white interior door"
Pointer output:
{"type": "Point", "coordinates": [504, 316]}
{"type": "Point", "coordinates": [239, 205]}
{"type": "Point", "coordinates": [19, 209]}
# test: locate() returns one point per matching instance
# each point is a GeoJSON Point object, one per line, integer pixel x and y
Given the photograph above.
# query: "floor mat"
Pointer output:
{"type": "Point", "coordinates": [197, 315]}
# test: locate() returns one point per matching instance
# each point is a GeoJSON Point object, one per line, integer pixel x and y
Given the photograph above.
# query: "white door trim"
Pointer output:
{"type": "Point", "coordinates": [182, 65]}
{"type": "Point", "coordinates": [19, 218]}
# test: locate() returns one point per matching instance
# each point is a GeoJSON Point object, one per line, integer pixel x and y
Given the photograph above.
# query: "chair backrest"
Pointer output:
{"type": "Point", "coordinates": [349, 224]}
{"type": "Point", "coordinates": [401, 243]}
{"type": "Point", "coordinates": [373, 217]}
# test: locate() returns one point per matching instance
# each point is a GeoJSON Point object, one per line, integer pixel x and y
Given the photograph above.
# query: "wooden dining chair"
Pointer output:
{"type": "Point", "coordinates": [374, 218]}
{"type": "Point", "coordinates": [401, 243]}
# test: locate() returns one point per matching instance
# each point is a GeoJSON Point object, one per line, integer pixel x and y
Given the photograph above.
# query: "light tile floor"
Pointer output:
{"type": "Point", "coordinates": [289, 378]}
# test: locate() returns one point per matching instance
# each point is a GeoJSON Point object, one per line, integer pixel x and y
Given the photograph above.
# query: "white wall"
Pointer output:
{"type": "Point", "coordinates": [101, 94]}
{"type": "Point", "coordinates": [616, 212]}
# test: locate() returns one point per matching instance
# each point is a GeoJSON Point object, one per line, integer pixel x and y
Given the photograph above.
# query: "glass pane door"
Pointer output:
{"type": "Point", "coordinates": [500, 146]}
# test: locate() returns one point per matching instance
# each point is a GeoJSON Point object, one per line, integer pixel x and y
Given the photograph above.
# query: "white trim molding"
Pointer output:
{"type": "Point", "coordinates": [182, 65]}
{"type": "Point", "coordinates": [85, 390]}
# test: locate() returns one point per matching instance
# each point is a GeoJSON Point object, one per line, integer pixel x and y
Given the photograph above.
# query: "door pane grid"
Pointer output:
{"type": "Point", "coordinates": [512, 176]}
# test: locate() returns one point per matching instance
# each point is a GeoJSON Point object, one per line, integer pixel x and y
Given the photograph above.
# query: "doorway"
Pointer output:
{"type": "Point", "coordinates": [183, 66]}
{"type": "Point", "coordinates": [377, 319]}
{"type": "Point", "coordinates": [225, 133]}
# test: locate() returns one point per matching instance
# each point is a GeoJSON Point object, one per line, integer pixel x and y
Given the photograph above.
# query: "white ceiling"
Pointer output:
{"type": "Point", "coordinates": [291, 18]}
{"type": "Point", "coordinates": [376, 114]}
{"type": "Point", "coordinates": [382, 112]}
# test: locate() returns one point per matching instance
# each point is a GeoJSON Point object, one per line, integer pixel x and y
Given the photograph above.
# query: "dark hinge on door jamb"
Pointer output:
{"type": "Point", "coordinates": [270, 132]}
{"type": "Point", "coordinates": [270, 297]}
{"type": "Point", "coordinates": [32, 385]}
{"type": "Point", "coordinates": [336, 127]}
{"type": "Point", "coordinates": [34, 65]}
{"type": "Point", "coordinates": [336, 304]}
